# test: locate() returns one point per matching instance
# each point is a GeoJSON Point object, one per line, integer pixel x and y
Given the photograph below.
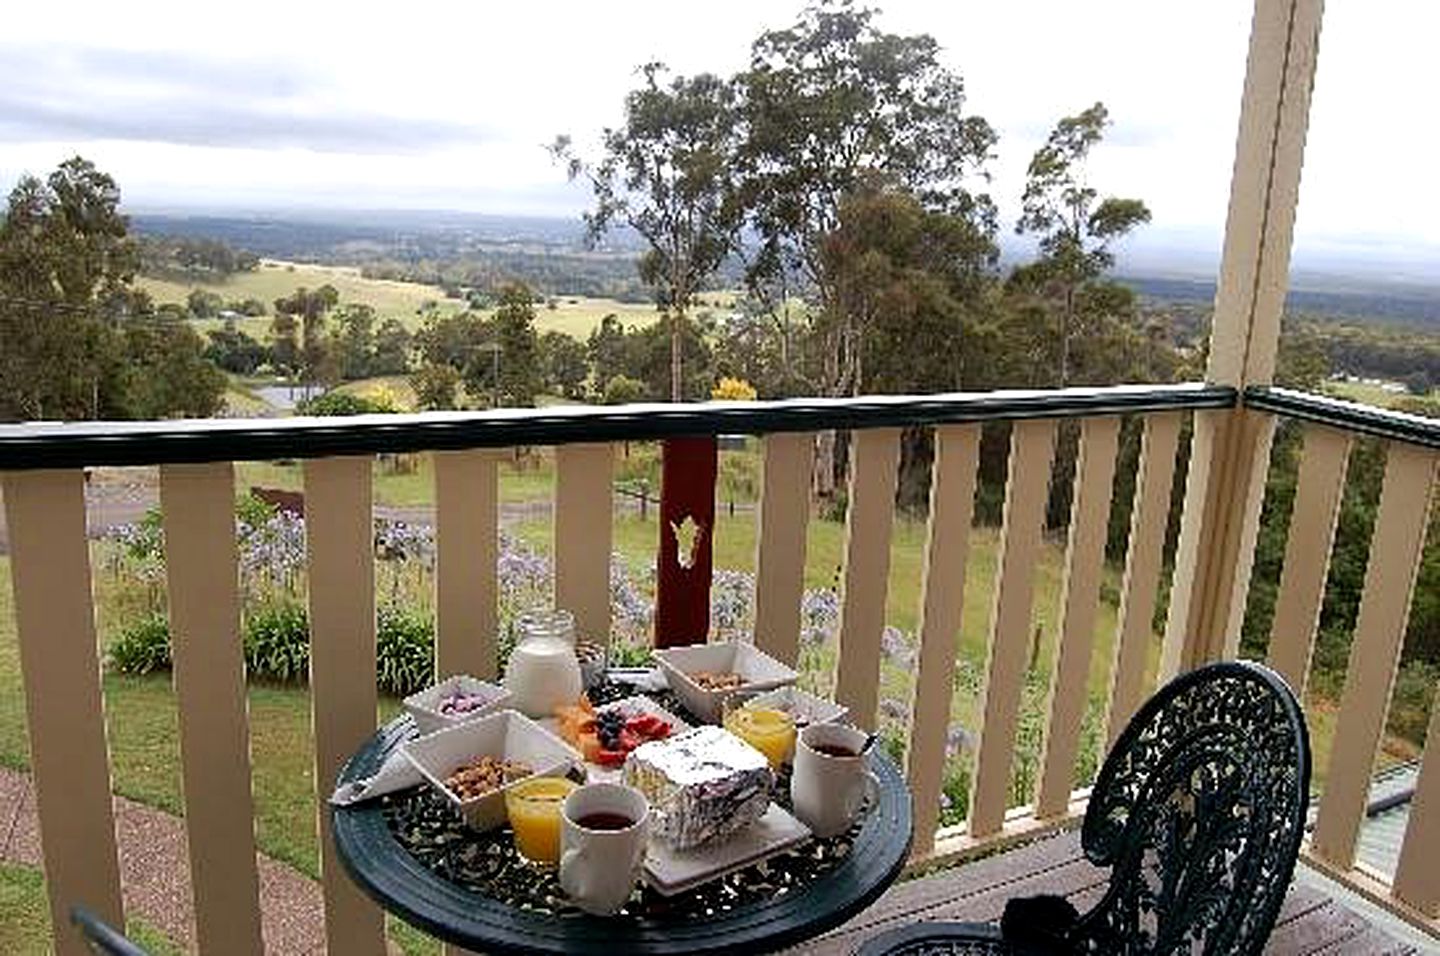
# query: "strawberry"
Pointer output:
{"type": "Point", "coordinates": [610, 758]}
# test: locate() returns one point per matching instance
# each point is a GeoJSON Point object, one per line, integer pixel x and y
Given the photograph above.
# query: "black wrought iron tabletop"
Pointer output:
{"type": "Point", "coordinates": [416, 857]}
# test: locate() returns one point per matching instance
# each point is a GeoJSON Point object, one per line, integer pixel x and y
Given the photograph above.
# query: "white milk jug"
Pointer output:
{"type": "Point", "coordinates": [544, 672]}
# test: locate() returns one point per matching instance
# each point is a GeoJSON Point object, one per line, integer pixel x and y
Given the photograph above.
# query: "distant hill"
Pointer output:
{"type": "Point", "coordinates": [339, 238]}
{"type": "Point", "coordinates": [451, 248]}
{"type": "Point", "coordinates": [1373, 301]}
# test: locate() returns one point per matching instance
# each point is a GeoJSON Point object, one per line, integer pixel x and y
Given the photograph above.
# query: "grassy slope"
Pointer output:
{"type": "Point", "coordinates": [410, 483]}
{"type": "Point", "coordinates": [274, 280]}
{"type": "Point", "coordinates": [1368, 394]}
{"type": "Point", "coordinates": [573, 315]}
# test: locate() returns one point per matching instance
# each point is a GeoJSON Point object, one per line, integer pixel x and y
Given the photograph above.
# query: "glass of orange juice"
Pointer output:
{"type": "Point", "coordinates": [533, 806]}
{"type": "Point", "coordinates": [767, 729]}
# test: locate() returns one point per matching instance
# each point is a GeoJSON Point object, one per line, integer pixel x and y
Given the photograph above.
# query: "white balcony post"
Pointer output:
{"type": "Point", "coordinates": [1230, 455]}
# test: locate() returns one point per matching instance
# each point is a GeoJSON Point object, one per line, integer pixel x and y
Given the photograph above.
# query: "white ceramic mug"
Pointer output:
{"type": "Point", "coordinates": [599, 866]}
{"type": "Point", "coordinates": [828, 790]}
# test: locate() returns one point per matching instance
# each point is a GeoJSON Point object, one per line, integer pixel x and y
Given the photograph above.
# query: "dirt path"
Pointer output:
{"type": "Point", "coordinates": [155, 873]}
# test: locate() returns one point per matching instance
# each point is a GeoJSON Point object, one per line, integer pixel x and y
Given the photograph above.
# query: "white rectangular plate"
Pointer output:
{"type": "Point", "coordinates": [672, 871]}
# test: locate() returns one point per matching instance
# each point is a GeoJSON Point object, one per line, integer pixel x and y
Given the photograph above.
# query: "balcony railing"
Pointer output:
{"type": "Point", "coordinates": [1412, 454]}
{"type": "Point", "coordinates": [44, 498]}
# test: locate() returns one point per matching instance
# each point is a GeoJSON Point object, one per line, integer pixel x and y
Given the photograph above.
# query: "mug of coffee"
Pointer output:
{"type": "Point", "coordinates": [603, 830]}
{"type": "Point", "coordinates": [830, 783]}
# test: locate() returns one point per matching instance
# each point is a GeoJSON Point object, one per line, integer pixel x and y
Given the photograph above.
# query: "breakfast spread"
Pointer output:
{"type": "Point", "coordinates": [484, 775]}
{"type": "Point", "coordinates": [706, 792]}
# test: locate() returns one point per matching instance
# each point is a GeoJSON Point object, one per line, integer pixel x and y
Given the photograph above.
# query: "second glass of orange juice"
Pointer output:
{"type": "Point", "coordinates": [533, 807]}
{"type": "Point", "coordinates": [768, 730]}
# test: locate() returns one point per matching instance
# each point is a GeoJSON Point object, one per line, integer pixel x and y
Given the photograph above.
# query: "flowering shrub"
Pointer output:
{"type": "Point", "coordinates": [819, 616]}
{"type": "Point", "coordinates": [272, 554]}
{"type": "Point", "coordinates": [732, 616]}
{"type": "Point", "coordinates": [139, 554]}
{"type": "Point", "coordinates": [398, 541]}
{"type": "Point", "coordinates": [142, 647]}
{"type": "Point", "coordinates": [404, 651]}
{"type": "Point", "coordinates": [277, 643]}
{"type": "Point", "coordinates": [895, 647]}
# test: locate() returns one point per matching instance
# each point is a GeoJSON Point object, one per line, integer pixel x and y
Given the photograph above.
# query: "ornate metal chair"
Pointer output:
{"type": "Point", "coordinates": [1199, 811]}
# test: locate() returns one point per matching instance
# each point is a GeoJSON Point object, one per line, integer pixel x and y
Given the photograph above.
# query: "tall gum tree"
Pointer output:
{"type": "Point", "coordinates": [77, 340]}
{"type": "Point", "coordinates": [1075, 227]}
{"type": "Point", "coordinates": [667, 172]}
{"type": "Point", "coordinates": [829, 103]}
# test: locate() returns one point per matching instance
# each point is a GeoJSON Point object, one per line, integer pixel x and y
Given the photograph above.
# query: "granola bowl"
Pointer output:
{"type": "Point", "coordinates": [472, 764]}
{"type": "Point", "coordinates": [703, 675]}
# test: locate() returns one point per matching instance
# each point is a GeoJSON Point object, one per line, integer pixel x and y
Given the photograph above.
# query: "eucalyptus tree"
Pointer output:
{"type": "Point", "coordinates": [66, 264]}
{"type": "Point", "coordinates": [667, 172]}
{"type": "Point", "coordinates": [77, 339]}
{"type": "Point", "coordinates": [308, 307]}
{"type": "Point", "coordinates": [830, 103]}
{"type": "Point", "coordinates": [1075, 227]}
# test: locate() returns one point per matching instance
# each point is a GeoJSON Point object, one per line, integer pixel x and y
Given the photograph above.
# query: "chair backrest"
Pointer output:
{"type": "Point", "coordinates": [1199, 811]}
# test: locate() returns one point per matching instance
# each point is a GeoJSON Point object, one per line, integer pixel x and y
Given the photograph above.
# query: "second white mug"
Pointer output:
{"type": "Point", "coordinates": [830, 782]}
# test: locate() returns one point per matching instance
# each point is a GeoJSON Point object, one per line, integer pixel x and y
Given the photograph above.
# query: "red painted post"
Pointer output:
{"type": "Point", "coordinates": [687, 520]}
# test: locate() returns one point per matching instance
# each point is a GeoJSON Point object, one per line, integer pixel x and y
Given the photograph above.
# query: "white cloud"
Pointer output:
{"type": "Point", "coordinates": [447, 105]}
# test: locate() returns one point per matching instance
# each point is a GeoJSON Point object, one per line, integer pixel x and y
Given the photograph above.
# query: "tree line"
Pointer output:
{"type": "Point", "coordinates": [192, 257]}
{"type": "Point", "coordinates": [77, 338]}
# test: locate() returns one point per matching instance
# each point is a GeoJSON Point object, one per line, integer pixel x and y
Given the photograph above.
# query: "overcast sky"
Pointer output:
{"type": "Point", "coordinates": [424, 105]}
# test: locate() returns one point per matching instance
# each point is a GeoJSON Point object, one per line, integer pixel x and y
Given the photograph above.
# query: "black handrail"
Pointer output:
{"type": "Point", "coordinates": [1352, 416]}
{"type": "Point", "coordinates": [72, 445]}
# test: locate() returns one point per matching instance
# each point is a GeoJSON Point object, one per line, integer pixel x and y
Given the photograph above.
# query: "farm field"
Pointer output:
{"type": "Point", "coordinates": [275, 279]}
{"type": "Point", "coordinates": [1369, 393]}
{"type": "Point", "coordinates": [573, 315]}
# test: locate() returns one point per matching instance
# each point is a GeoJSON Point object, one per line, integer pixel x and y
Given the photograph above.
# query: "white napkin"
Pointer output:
{"type": "Point", "coordinates": [645, 679]}
{"type": "Point", "coordinates": [396, 773]}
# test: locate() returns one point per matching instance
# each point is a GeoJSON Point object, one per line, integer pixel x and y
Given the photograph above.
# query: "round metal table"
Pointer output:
{"type": "Point", "coordinates": [381, 865]}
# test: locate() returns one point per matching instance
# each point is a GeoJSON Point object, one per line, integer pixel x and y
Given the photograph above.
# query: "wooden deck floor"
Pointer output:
{"type": "Point", "coordinates": [1310, 922]}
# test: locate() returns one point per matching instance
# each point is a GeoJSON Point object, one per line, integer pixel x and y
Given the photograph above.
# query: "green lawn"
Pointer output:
{"type": "Point", "coordinates": [527, 476]}
{"type": "Point", "coordinates": [25, 917]}
{"type": "Point", "coordinates": [1368, 394]}
{"type": "Point", "coordinates": [241, 402]}
{"type": "Point", "coordinates": [410, 480]}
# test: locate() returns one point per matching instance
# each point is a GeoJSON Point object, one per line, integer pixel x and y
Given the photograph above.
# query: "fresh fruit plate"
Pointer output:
{"type": "Point", "coordinates": [605, 735]}
{"type": "Point", "coordinates": [671, 871]}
